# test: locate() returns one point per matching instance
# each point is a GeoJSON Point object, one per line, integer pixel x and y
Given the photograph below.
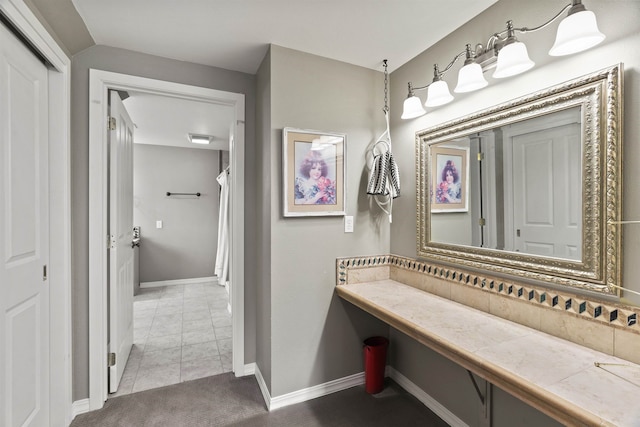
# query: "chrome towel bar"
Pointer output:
{"type": "Point", "coordinates": [182, 194]}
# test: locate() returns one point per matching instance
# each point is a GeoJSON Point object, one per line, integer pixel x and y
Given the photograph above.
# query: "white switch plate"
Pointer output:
{"type": "Point", "coordinates": [159, 224]}
{"type": "Point", "coordinates": [348, 224]}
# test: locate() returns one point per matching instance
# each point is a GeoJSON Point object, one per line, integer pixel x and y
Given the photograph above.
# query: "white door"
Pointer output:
{"type": "Point", "coordinates": [24, 231]}
{"type": "Point", "coordinates": [547, 192]}
{"type": "Point", "coordinates": [121, 236]}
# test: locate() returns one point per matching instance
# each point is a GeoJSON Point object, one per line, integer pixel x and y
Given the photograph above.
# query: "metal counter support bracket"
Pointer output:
{"type": "Point", "coordinates": [475, 384]}
{"type": "Point", "coordinates": [485, 418]}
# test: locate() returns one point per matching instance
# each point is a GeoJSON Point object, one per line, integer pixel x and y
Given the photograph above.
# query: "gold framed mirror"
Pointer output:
{"type": "Point", "coordinates": [531, 187]}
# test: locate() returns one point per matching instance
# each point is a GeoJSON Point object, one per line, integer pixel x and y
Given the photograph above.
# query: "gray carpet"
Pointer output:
{"type": "Point", "coordinates": [224, 400]}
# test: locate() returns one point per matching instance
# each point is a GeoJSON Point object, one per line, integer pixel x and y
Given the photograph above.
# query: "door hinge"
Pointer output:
{"type": "Point", "coordinates": [111, 360]}
{"type": "Point", "coordinates": [481, 222]}
{"type": "Point", "coordinates": [44, 272]}
{"type": "Point", "coordinates": [111, 242]}
{"type": "Point", "coordinates": [112, 123]}
{"type": "Point", "coordinates": [480, 157]}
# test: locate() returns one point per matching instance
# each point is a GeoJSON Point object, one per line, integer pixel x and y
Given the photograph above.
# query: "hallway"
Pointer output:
{"type": "Point", "coordinates": [181, 333]}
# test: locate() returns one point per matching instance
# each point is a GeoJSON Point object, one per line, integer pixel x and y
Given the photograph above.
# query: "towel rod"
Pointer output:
{"type": "Point", "coordinates": [182, 194]}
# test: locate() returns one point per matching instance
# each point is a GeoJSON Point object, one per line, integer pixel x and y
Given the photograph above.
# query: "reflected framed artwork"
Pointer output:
{"type": "Point", "coordinates": [449, 179]}
{"type": "Point", "coordinates": [314, 172]}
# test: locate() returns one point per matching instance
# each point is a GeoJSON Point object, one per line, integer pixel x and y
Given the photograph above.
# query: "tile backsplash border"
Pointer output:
{"type": "Point", "coordinates": [603, 312]}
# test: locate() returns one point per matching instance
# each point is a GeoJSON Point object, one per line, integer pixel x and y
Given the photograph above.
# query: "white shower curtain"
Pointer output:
{"type": "Point", "coordinates": [222, 257]}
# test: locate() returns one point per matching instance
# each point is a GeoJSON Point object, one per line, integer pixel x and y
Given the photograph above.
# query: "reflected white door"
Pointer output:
{"type": "Point", "coordinates": [547, 192]}
{"type": "Point", "coordinates": [24, 231]}
{"type": "Point", "coordinates": [121, 236]}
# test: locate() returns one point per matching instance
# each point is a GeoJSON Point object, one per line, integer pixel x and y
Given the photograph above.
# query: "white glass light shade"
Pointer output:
{"type": "Point", "coordinates": [438, 94]}
{"type": "Point", "coordinates": [470, 78]}
{"type": "Point", "coordinates": [512, 59]}
{"type": "Point", "coordinates": [576, 32]}
{"type": "Point", "coordinates": [412, 108]}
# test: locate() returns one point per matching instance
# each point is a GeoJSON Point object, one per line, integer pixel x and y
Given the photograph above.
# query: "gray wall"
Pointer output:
{"type": "Point", "coordinates": [66, 26]}
{"type": "Point", "coordinates": [620, 21]}
{"type": "Point", "coordinates": [263, 235]}
{"type": "Point", "coordinates": [315, 336]}
{"type": "Point", "coordinates": [186, 245]}
{"type": "Point", "coordinates": [134, 63]}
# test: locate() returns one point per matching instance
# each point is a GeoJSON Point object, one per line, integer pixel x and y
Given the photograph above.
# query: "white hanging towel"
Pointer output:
{"type": "Point", "coordinates": [222, 256]}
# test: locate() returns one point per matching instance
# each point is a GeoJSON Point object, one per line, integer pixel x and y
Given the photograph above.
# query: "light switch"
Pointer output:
{"type": "Point", "coordinates": [348, 224]}
{"type": "Point", "coordinates": [159, 224]}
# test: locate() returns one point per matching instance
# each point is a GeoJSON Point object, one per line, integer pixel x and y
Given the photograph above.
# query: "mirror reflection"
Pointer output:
{"type": "Point", "coordinates": [514, 188]}
{"type": "Point", "coordinates": [529, 188]}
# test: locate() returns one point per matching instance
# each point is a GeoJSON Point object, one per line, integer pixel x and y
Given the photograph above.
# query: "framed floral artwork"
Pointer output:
{"type": "Point", "coordinates": [449, 179]}
{"type": "Point", "coordinates": [314, 172]}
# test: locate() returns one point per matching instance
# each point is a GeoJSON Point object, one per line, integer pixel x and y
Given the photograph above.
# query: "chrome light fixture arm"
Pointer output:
{"type": "Point", "coordinates": [448, 67]}
{"type": "Point", "coordinates": [437, 74]}
{"type": "Point", "coordinates": [576, 6]}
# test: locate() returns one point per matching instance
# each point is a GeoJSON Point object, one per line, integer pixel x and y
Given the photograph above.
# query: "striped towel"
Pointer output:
{"type": "Point", "coordinates": [384, 178]}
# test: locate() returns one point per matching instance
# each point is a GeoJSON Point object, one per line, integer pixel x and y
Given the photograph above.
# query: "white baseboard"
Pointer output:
{"type": "Point", "coordinates": [79, 407]}
{"type": "Point", "coordinates": [348, 382]}
{"type": "Point", "coordinates": [317, 391]}
{"type": "Point", "coordinates": [435, 406]}
{"type": "Point", "coordinates": [263, 387]}
{"type": "Point", "coordinates": [249, 369]}
{"type": "Point", "coordinates": [307, 393]}
{"type": "Point", "coordinates": [178, 282]}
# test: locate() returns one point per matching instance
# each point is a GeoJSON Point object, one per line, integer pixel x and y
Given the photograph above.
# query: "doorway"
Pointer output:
{"type": "Point", "coordinates": [181, 321]}
{"type": "Point", "coordinates": [100, 83]}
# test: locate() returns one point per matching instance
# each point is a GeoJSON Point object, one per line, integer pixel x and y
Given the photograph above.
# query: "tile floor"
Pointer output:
{"type": "Point", "coordinates": [181, 332]}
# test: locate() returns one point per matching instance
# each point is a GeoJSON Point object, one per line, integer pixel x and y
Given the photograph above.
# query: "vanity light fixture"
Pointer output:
{"type": "Point", "coordinates": [470, 76]}
{"type": "Point", "coordinates": [412, 106]}
{"type": "Point", "coordinates": [200, 139]}
{"type": "Point", "coordinates": [438, 91]}
{"type": "Point", "coordinates": [513, 58]}
{"type": "Point", "coordinates": [578, 31]}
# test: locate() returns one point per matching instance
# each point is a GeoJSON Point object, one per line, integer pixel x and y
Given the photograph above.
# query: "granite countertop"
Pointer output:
{"type": "Point", "coordinates": [571, 383]}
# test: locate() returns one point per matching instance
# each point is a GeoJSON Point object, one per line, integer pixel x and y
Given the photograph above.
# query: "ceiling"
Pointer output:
{"type": "Point", "coordinates": [235, 35]}
{"type": "Point", "coordinates": [164, 120]}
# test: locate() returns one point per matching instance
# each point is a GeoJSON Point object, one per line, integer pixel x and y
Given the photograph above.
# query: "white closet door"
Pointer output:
{"type": "Point", "coordinates": [121, 235]}
{"type": "Point", "coordinates": [24, 231]}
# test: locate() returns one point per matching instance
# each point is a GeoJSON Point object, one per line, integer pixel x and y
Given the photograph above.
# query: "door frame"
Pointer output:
{"type": "Point", "coordinates": [25, 21]}
{"type": "Point", "coordinates": [99, 84]}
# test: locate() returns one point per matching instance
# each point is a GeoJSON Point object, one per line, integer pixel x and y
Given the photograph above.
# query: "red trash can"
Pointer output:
{"type": "Point", "coordinates": [375, 360]}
